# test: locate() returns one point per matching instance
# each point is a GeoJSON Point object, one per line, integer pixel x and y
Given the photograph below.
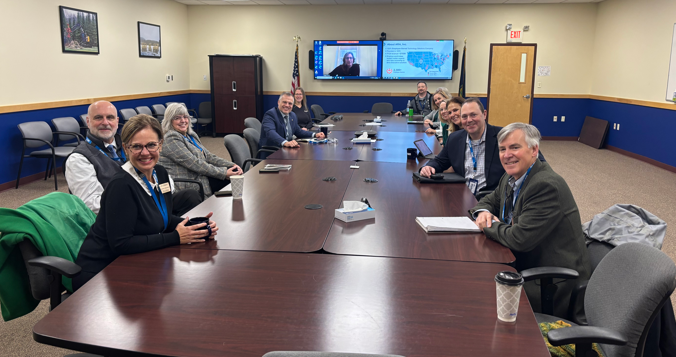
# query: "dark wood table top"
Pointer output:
{"type": "Point", "coordinates": [330, 151]}
{"type": "Point", "coordinates": [393, 146]}
{"type": "Point", "coordinates": [271, 216]}
{"type": "Point", "coordinates": [194, 302]}
{"type": "Point", "coordinates": [398, 199]}
{"type": "Point", "coordinates": [357, 121]}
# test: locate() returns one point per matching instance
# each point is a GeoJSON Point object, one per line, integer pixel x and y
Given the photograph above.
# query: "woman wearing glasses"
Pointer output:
{"type": "Point", "coordinates": [185, 157]}
{"type": "Point", "coordinates": [135, 214]}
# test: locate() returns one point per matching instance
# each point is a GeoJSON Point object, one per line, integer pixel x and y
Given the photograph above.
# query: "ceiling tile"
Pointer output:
{"type": "Point", "coordinates": [548, 1]}
{"type": "Point", "coordinates": [405, 1]}
{"type": "Point", "coordinates": [268, 2]}
{"type": "Point", "coordinates": [214, 2]}
{"type": "Point", "coordinates": [520, 1]}
{"type": "Point", "coordinates": [350, 2]}
{"type": "Point", "coordinates": [579, 1]}
{"type": "Point", "coordinates": [491, 1]}
{"type": "Point", "coordinates": [295, 2]}
{"type": "Point", "coordinates": [322, 2]}
{"type": "Point", "coordinates": [241, 3]}
{"type": "Point", "coordinates": [372, 2]}
{"type": "Point", "coordinates": [462, 1]}
{"type": "Point", "coordinates": [434, 1]}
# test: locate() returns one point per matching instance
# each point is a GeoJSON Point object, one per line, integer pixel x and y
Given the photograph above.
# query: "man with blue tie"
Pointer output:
{"type": "Point", "coordinates": [280, 124]}
{"type": "Point", "coordinates": [96, 160]}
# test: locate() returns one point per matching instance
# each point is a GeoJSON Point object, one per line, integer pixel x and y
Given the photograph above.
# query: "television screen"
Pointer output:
{"type": "Point", "coordinates": [348, 59]}
{"type": "Point", "coordinates": [417, 59]}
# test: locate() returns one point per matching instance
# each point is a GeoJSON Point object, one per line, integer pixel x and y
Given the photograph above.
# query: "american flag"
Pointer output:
{"type": "Point", "coordinates": [295, 77]}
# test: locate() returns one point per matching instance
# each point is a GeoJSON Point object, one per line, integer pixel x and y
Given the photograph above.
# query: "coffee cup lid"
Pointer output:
{"type": "Point", "coordinates": [509, 278]}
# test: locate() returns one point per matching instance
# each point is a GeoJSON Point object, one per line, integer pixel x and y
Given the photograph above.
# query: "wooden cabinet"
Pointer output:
{"type": "Point", "coordinates": [236, 91]}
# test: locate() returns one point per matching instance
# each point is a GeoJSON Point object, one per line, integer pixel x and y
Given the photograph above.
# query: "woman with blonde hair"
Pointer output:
{"type": "Point", "coordinates": [450, 117]}
{"type": "Point", "coordinates": [432, 119]}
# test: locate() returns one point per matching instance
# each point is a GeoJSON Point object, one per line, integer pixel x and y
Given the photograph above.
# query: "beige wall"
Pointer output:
{"type": "Point", "coordinates": [33, 69]}
{"type": "Point", "coordinates": [632, 49]}
{"type": "Point", "coordinates": [564, 34]}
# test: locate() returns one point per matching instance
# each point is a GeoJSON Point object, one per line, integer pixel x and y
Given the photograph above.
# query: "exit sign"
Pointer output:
{"type": "Point", "coordinates": [514, 36]}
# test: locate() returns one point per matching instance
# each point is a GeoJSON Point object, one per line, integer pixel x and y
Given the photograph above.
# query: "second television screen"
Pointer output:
{"type": "Point", "coordinates": [418, 59]}
{"type": "Point", "coordinates": [347, 59]}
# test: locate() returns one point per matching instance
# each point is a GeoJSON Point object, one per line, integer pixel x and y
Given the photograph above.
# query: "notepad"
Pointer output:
{"type": "Point", "coordinates": [278, 167]}
{"type": "Point", "coordinates": [447, 224]}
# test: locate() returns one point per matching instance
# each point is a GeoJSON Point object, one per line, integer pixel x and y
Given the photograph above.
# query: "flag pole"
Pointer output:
{"type": "Point", "coordinates": [295, 75]}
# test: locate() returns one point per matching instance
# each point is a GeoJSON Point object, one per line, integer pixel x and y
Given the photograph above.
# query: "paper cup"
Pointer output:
{"type": "Point", "coordinates": [508, 287]}
{"type": "Point", "coordinates": [237, 184]}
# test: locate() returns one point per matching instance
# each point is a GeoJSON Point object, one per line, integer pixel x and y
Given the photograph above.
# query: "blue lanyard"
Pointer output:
{"type": "Point", "coordinates": [161, 205]}
{"type": "Point", "coordinates": [193, 141]}
{"type": "Point", "coordinates": [471, 151]}
{"type": "Point", "coordinates": [516, 194]}
{"type": "Point", "coordinates": [124, 158]}
{"type": "Point", "coordinates": [422, 103]}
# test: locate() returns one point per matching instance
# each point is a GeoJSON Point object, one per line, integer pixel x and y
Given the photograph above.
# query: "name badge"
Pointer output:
{"type": "Point", "coordinates": [472, 184]}
{"type": "Point", "coordinates": [165, 187]}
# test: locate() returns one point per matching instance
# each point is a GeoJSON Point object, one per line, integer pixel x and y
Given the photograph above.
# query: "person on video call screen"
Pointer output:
{"type": "Point", "coordinates": [348, 68]}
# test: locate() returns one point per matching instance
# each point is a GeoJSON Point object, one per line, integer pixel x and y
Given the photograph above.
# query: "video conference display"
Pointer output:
{"type": "Point", "coordinates": [393, 60]}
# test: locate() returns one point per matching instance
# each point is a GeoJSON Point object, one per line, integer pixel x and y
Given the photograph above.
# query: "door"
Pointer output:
{"type": "Point", "coordinates": [511, 75]}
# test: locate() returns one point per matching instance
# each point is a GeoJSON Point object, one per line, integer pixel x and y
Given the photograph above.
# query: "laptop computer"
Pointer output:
{"type": "Point", "coordinates": [411, 121]}
{"type": "Point", "coordinates": [423, 149]}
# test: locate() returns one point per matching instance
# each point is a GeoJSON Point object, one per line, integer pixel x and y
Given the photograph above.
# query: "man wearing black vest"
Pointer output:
{"type": "Point", "coordinates": [97, 159]}
{"type": "Point", "coordinates": [421, 103]}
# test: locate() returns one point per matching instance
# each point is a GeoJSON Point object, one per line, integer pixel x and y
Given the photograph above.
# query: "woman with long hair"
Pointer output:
{"type": "Point", "coordinates": [301, 109]}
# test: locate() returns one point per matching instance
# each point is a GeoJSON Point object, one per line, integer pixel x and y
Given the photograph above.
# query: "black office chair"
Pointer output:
{"type": "Point", "coordinates": [252, 138]}
{"type": "Point", "coordinates": [322, 354]}
{"type": "Point", "coordinates": [70, 127]}
{"type": "Point", "coordinates": [624, 295]}
{"type": "Point", "coordinates": [382, 108]}
{"type": "Point", "coordinates": [318, 111]}
{"type": "Point", "coordinates": [159, 110]}
{"type": "Point", "coordinates": [200, 189]}
{"type": "Point", "coordinates": [126, 114]}
{"type": "Point", "coordinates": [83, 124]}
{"type": "Point", "coordinates": [205, 118]}
{"type": "Point", "coordinates": [36, 134]}
{"type": "Point", "coordinates": [253, 123]}
{"type": "Point", "coordinates": [239, 151]}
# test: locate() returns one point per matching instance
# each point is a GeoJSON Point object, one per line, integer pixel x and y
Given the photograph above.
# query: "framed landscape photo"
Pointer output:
{"type": "Point", "coordinates": [149, 40]}
{"type": "Point", "coordinates": [79, 31]}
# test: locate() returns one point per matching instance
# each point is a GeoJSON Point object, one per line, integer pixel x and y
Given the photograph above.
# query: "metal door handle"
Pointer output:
{"type": "Point", "coordinates": [527, 96]}
{"type": "Point", "coordinates": [234, 86]}
{"type": "Point", "coordinates": [234, 104]}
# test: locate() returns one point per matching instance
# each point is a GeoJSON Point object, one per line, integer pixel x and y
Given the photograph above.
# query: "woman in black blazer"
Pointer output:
{"type": "Point", "coordinates": [301, 110]}
{"type": "Point", "coordinates": [136, 206]}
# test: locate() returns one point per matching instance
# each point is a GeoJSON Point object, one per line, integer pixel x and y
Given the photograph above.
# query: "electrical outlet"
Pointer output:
{"type": "Point", "coordinates": [205, 77]}
{"type": "Point", "coordinates": [556, 118]}
{"type": "Point", "coordinates": [168, 78]}
{"type": "Point", "coordinates": [539, 84]}
{"type": "Point", "coordinates": [563, 118]}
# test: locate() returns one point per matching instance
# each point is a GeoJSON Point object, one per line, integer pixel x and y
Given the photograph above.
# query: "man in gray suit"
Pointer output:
{"type": "Point", "coordinates": [533, 213]}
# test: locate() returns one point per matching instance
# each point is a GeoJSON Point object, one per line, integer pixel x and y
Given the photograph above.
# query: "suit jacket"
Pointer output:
{"type": "Point", "coordinates": [545, 231]}
{"type": "Point", "coordinates": [182, 159]}
{"type": "Point", "coordinates": [273, 130]}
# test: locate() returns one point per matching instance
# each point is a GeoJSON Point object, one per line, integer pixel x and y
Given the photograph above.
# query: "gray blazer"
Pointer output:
{"type": "Point", "coordinates": [546, 230]}
{"type": "Point", "coordinates": [182, 159]}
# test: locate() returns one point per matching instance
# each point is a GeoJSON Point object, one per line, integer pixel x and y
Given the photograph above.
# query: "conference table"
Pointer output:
{"type": "Point", "coordinates": [281, 276]}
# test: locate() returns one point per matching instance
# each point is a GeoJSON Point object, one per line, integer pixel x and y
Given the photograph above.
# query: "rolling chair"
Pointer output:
{"type": "Point", "coordinates": [125, 115]}
{"type": "Point", "coordinates": [252, 138]}
{"type": "Point", "coordinates": [381, 108]}
{"type": "Point", "coordinates": [318, 111]}
{"type": "Point", "coordinates": [36, 134]}
{"type": "Point", "coordinates": [67, 125]}
{"type": "Point", "coordinates": [145, 110]}
{"type": "Point", "coordinates": [253, 123]}
{"type": "Point", "coordinates": [83, 124]}
{"type": "Point", "coordinates": [159, 110]}
{"type": "Point", "coordinates": [205, 118]}
{"type": "Point", "coordinates": [239, 151]}
{"type": "Point", "coordinates": [624, 295]}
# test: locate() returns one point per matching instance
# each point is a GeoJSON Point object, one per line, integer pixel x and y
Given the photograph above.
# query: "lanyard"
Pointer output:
{"type": "Point", "coordinates": [422, 103]}
{"type": "Point", "coordinates": [516, 194]}
{"type": "Point", "coordinates": [161, 205]}
{"type": "Point", "coordinates": [471, 151]}
{"type": "Point", "coordinates": [124, 158]}
{"type": "Point", "coordinates": [193, 141]}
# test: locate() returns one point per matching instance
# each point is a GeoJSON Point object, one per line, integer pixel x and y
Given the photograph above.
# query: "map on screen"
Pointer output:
{"type": "Point", "coordinates": [417, 59]}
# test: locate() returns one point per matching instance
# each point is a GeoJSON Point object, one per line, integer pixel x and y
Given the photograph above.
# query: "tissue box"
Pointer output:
{"type": "Point", "coordinates": [355, 216]}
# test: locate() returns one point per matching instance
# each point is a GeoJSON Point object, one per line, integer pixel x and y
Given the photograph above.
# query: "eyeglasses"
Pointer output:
{"type": "Point", "coordinates": [470, 115]}
{"type": "Point", "coordinates": [138, 148]}
{"type": "Point", "coordinates": [179, 117]}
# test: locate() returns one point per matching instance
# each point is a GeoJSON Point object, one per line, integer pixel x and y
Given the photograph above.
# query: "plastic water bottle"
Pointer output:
{"type": "Point", "coordinates": [674, 98]}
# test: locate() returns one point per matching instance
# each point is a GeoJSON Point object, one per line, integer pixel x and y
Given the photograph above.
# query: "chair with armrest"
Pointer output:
{"type": "Point", "coordinates": [126, 114]}
{"type": "Point", "coordinates": [239, 151]}
{"type": "Point", "coordinates": [83, 124]}
{"type": "Point", "coordinates": [318, 111]}
{"type": "Point", "coordinates": [36, 134]}
{"type": "Point", "coordinates": [159, 110]}
{"type": "Point", "coordinates": [144, 109]}
{"type": "Point", "coordinates": [622, 298]}
{"type": "Point", "coordinates": [382, 108]}
{"type": "Point", "coordinates": [69, 129]}
{"type": "Point", "coordinates": [253, 123]}
{"type": "Point", "coordinates": [252, 138]}
{"type": "Point", "coordinates": [205, 118]}
{"type": "Point", "coordinates": [196, 182]}
{"type": "Point", "coordinates": [322, 354]}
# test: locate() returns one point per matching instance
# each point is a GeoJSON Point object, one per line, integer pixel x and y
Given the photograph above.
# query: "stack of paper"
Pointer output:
{"type": "Point", "coordinates": [278, 167]}
{"type": "Point", "coordinates": [447, 224]}
{"type": "Point", "coordinates": [370, 124]}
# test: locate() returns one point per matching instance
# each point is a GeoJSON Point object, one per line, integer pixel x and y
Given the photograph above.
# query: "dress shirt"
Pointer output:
{"type": "Point", "coordinates": [287, 126]}
{"type": "Point", "coordinates": [479, 174]}
{"type": "Point", "coordinates": [82, 180]}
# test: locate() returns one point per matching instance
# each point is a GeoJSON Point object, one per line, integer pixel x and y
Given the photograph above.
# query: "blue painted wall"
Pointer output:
{"type": "Point", "coordinates": [644, 131]}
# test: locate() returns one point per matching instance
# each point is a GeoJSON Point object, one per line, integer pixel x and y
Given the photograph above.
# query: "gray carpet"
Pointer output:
{"type": "Point", "coordinates": [598, 179]}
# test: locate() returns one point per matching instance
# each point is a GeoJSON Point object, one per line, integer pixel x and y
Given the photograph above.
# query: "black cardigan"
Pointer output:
{"type": "Point", "coordinates": [129, 222]}
{"type": "Point", "coordinates": [304, 119]}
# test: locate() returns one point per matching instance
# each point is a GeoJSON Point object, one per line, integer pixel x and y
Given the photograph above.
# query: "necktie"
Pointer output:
{"type": "Point", "coordinates": [287, 124]}
{"type": "Point", "coordinates": [509, 205]}
{"type": "Point", "coordinates": [111, 149]}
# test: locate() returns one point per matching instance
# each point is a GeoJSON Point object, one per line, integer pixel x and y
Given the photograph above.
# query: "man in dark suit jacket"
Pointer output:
{"type": "Point", "coordinates": [280, 124]}
{"type": "Point", "coordinates": [533, 213]}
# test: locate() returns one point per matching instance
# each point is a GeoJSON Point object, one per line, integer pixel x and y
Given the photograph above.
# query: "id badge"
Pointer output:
{"type": "Point", "coordinates": [472, 184]}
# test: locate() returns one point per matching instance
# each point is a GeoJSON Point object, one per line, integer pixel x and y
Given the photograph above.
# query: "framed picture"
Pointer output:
{"type": "Point", "coordinates": [149, 40]}
{"type": "Point", "coordinates": [79, 31]}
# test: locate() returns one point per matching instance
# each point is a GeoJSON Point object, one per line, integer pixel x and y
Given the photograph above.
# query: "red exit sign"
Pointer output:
{"type": "Point", "coordinates": [514, 36]}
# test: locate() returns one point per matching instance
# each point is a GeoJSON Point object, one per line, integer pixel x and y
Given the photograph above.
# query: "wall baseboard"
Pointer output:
{"type": "Point", "coordinates": [641, 158]}
{"type": "Point", "coordinates": [28, 179]}
{"type": "Point", "coordinates": [560, 138]}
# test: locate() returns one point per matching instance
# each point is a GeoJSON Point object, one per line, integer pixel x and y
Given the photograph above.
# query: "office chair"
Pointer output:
{"type": "Point", "coordinates": [322, 354]}
{"type": "Point", "coordinates": [318, 111]}
{"type": "Point", "coordinates": [200, 189]}
{"type": "Point", "coordinates": [381, 108]}
{"type": "Point", "coordinates": [239, 151]}
{"type": "Point", "coordinates": [205, 118]}
{"type": "Point", "coordinates": [253, 123]}
{"type": "Point", "coordinates": [159, 110]}
{"type": "Point", "coordinates": [36, 134]}
{"type": "Point", "coordinates": [624, 295]}
{"type": "Point", "coordinates": [143, 109]}
{"type": "Point", "coordinates": [252, 138]}
{"type": "Point", "coordinates": [125, 115]}
{"type": "Point", "coordinates": [83, 124]}
{"type": "Point", "coordinates": [67, 125]}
